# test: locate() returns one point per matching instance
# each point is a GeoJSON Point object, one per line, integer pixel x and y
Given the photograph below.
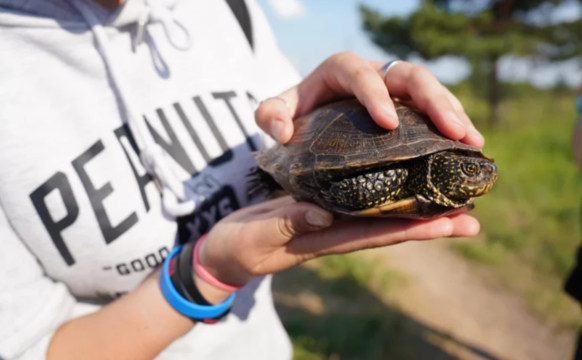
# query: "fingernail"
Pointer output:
{"type": "Point", "coordinates": [480, 138]}
{"type": "Point", "coordinates": [476, 133]}
{"type": "Point", "coordinates": [391, 113]}
{"type": "Point", "coordinates": [317, 219]}
{"type": "Point", "coordinates": [277, 129]}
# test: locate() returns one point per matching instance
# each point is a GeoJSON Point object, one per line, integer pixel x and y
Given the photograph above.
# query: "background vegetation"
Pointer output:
{"type": "Point", "coordinates": [530, 234]}
{"type": "Point", "coordinates": [531, 221]}
{"type": "Point", "coordinates": [482, 32]}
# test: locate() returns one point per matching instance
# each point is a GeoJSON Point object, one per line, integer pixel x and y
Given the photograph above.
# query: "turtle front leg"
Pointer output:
{"type": "Point", "coordinates": [368, 190]}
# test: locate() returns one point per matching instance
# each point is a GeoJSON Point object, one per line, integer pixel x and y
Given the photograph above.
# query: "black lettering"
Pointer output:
{"type": "Point", "coordinates": [58, 182]}
{"type": "Point", "coordinates": [164, 252]}
{"type": "Point", "coordinates": [192, 229]}
{"type": "Point", "coordinates": [174, 148]}
{"type": "Point", "coordinates": [221, 203]}
{"type": "Point", "coordinates": [152, 261]}
{"type": "Point", "coordinates": [226, 96]}
{"type": "Point", "coordinates": [252, 100]}
{"type": "Point", "coordinates": [97, 196]}
{"type": "Point", "coordinates": [122, 269]}
{"type": "Point", "coordinates": [192, 132]}
{"type": "Point", "coordinates": [142, 180]}
{"type": "Point", "coordinates": [227, 153]}
{"type": "Point", "coordinates": [224, 207]}
{"type": "Point", "coordinates": [137, 265]}
{"type": "Point", "coordinates": [210, 216]}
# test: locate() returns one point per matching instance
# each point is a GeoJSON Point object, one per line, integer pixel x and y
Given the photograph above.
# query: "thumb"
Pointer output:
{"type": "Point", "coordinates": [297, 219]}
{"type": "Point", "coordinates": [274, 117]}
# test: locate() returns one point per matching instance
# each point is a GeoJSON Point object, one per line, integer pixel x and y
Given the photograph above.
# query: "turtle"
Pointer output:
{"type": "Point", "coordinates": [341, 160]}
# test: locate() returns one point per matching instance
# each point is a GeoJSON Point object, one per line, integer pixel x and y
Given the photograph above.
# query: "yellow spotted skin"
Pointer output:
{"type": "Point", "coordinates": [459, 178]}
{"type": "Point", "coordinates": [450, 179]}
{"type": "Point", "coordinates": [369, 190]}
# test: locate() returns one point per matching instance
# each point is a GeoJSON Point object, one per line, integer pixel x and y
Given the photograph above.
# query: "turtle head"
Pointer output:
{"type": "Point", "coordinates": [460, 177]}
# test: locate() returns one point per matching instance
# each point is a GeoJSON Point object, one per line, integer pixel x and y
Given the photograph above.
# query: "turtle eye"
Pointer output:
{"type": "Point", "coordinates": [471, 169]}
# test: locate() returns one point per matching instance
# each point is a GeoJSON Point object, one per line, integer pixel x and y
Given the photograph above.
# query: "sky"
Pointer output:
{"type": "Point", "coordinates": [309, 31]}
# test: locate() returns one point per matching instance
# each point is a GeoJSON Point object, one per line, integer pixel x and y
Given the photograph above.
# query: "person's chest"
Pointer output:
{"type": "Point", "coordinates": [71, 181]}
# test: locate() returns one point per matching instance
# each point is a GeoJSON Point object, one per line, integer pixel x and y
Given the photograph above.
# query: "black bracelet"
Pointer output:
{"type": "Point", "coordinates": [201, 313]}
{"type": "Point", "coordinates": [183, 279]}
{"type": "Point", "coordinates": [186, 275]}
{"type": "Point", "coordinates": [176, 281]}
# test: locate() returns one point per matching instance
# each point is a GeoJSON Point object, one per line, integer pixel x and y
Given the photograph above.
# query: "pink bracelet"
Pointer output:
{"type": "Point", "coordinates": [205, 274]}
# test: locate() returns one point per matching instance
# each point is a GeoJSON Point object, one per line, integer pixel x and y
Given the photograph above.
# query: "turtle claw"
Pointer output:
{"type": "Point", "coordinates": [260, 182]}
{"type": "Point", "coordinates": [327, 196]}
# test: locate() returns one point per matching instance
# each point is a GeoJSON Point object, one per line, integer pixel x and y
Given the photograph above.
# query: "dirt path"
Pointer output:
{"type": "Point", "coordinates": [446, 293]}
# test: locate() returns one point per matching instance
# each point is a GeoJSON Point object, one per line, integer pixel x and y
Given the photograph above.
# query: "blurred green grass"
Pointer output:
{"type": "Point", "coordinates": [531, 219]}
{"type": "Point", "coordinates": [339, 307]}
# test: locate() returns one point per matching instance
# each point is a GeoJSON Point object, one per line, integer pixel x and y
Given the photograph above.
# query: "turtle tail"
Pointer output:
{"type": "Point", "coordinates": [261, 182]}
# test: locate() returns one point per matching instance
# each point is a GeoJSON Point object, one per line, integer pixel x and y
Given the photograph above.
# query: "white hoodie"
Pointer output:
{"type": "Point", "coordinates": [81, 101]}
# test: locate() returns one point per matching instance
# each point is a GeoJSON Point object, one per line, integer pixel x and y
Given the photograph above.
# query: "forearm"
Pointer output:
{"type": "Point", "coordinates": [138, 325]}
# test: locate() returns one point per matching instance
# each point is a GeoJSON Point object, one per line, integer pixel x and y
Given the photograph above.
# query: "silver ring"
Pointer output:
{"type": "Point", "coordinates": [389, 65]}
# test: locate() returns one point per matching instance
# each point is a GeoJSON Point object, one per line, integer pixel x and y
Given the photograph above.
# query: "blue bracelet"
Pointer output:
{"type": "Point", "coordinates": [579, 105]}
{"type": "Point", "coordinates": [183, 306]}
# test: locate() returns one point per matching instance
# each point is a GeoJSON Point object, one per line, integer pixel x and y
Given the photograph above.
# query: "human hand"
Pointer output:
{"type": "Point", "coordinates": [282, 233]}
{"type": "Point", "coordinates": [346, 74]}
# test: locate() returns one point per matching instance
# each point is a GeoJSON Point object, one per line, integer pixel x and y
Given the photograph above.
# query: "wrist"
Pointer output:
{"type": "Point", "coordinates": [220, 263]}
{"type": "Point", "coordinates": [180, 291]}
{"type": "Point", "coordinates": [213, 295]}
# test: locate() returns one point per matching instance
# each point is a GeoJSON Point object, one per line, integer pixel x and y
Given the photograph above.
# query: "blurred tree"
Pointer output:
{"type": "Point", "coordinates": [482, 31]}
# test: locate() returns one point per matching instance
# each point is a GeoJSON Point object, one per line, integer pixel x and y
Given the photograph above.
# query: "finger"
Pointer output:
{"type": "Point", "coordinates": [287, 222]}
{"type": "Point", "coordinates": [408, 80]}
{"type": "Point", "coordinates": [277, 203]}
{"type": "Point", "coordinates": [349, 74]}
{"type": "Point", "coordinates": [292, 103]}
{"type": "Point", "coordinates": [274, 117]}
{"type": "Point", "coordinates": [371, 233]}
{"type": "Point", "coordinates": [264, 207]}
{"type": "Point", "coordinates": [344, 75]}
{"type": "Point", "coordinates": [370, 90]}
{"type": "Point", "coordinates": [473, 136]}
{"type": "Point", "coordinates": [465, 226]}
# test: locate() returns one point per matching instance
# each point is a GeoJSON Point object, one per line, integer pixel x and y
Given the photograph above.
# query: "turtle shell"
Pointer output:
{"type": "Point", "coordinates": [341, 139]}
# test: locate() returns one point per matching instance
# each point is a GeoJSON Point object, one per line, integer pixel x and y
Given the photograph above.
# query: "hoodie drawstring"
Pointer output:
{"type": "Point", "coordinates": [157, 13]}
{"type": "Point", "coordinates": [154, 158]}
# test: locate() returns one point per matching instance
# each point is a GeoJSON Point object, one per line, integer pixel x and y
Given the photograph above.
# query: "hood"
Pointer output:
{"type": "Point", "coordinates": [87, 15]}
{"type": "Point", "coordinates": [63, 11]}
